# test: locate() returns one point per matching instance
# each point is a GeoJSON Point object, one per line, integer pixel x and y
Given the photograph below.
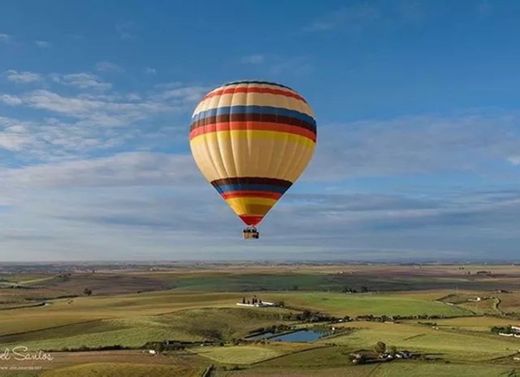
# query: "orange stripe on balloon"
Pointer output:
{"type": "Point", "coordinates": [242, 89]}
{"type": "Point", "coordinates": [258, 126]}
{"type": "Point", "coordinates": [257, 194]}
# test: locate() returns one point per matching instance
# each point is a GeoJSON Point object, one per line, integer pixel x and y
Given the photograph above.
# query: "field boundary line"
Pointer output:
{"type": "Point", "coordinates": [52, 327]}
{"type": "Point", "coordinates": [414, 336]}
{"type": "Point", "coordinates": [39, 304]}
{"type": "Point", "coordinates": [292, 353]}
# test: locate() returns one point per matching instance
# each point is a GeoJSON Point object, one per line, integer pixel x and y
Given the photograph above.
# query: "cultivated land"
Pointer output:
{"type": "Point", "coordinates": [103, 320]}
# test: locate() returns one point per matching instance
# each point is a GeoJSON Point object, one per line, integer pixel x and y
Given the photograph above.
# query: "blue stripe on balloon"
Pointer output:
{"type": "Point", "coordinates": [250, 187]}
{"type": "Point", "coordinates": [270, 110]}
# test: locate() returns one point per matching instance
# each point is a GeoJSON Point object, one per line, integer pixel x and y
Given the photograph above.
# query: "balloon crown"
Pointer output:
{"type": "Point", "coordinates": [256, 82]}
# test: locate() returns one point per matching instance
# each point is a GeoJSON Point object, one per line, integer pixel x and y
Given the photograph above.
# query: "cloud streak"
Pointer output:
{"type": "Point", "coordinates": [353, 17]}
{"type": "Point", "coordinates": [123, 169]}
{"type": "Point", "coordinates": [22, 77]}
{"type": "Point", "coordinates": [415, 145]}
{"type": "Point", "coordinates": [42, 44]}
{"type": "Point", "coordinates": [5, 38]}
{"type": "Point", "coordinates": [82, 81]}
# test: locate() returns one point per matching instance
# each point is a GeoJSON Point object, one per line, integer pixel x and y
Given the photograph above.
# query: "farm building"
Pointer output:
{"type": "Point", "coordinates": [255, 302]}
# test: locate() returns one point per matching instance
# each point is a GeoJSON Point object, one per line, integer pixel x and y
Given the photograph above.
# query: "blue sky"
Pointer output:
{"type": "Point", "coordinates": [418, 113]}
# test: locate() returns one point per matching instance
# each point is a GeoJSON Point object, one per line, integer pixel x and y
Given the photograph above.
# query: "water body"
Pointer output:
{"type": "Point", "coordinates": [292, 337]}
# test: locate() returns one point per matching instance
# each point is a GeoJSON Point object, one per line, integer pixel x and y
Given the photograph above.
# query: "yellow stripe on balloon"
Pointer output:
{"type": "Point", "coordinates": [259, 99]}
{"type": "Point", "coordinates": [262, 158]}
{"type": "Point", "coordinates": [254, 135]}
{"type": "Point", "coordinates": [250, 205]}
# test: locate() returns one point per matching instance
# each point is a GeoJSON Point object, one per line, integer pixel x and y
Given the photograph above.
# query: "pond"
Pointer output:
{"type": "Point", "coordinates": [295, 336]}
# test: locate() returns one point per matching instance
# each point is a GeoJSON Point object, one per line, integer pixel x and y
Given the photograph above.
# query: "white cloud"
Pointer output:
{"type": "Point", "coordinates": [125, 30]}
{"type": "Point", "coordinates": [82, 80]}
{"type": "Point", "coordinates": [78, 126]}
{"type": "Point", "coordinates": [50, 140]}
{"type": "Point", "coordinates": [116, 199]}
{"type": "Point", "coordinates": [113, 110]}
{"type": "Point", "coordinates": [297, 65]}
{"type": "Point", "coordinates": [150, 71]}
{"type": "Point", "coordinates": [123, 169]}
{"type": "Point", "coordinates": [10, 100]}
{"type": "Point", "coordinates": [353, 17]}
{"type": "Point", "coordinates": [106, 66]}
{"type": "Point", "coordinates": [273, 64]}
{"type": "Point", "coordinates": [515, 160]}
{"type": "Point", "coordinates": [185, 93]}
{"type": "Point", "coordinates": [417, 144]}
{"type": "Point", "coordinates": [22, 77]}
{"type": "Point", "coordinates": [5, 38]}
{"type": "Point", "coordinates": [42, 44]}
{"type": "Point", "coordinates": [14, 140]}
{"type": "Point", "coordinates": [253, 59]}
{"type": "Point", "coordinates": [47, 100]}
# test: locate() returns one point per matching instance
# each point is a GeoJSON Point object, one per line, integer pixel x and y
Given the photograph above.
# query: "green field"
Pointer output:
{"type": "Point", "coordinates": [452, 345]}
{"type": "Point", "coordinates": [122, 369]}
{"type": "Point", "coordinates": [197, 306]}
{"type": "Point", "coordinates": [248, 354]}
{"type": "Point", "coordinates": [397, 369]}
{"type": "Point", "coordinates": [369, 303]}
{"type": "Point", "coordinates": [221, 324]}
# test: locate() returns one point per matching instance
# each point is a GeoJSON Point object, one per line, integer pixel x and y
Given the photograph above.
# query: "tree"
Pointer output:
{"type": "Point", "coordinates": [392, 350]}
{"type": "Point", "coordinates": [87, 291]}
{"type": "Point", "coordinates": [380, 347]}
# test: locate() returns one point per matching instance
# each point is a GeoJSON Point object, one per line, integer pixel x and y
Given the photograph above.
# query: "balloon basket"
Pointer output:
{"type": "Point", "coordinates": [251, 233]}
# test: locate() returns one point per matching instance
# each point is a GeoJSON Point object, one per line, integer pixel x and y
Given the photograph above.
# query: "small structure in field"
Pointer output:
{"type": "Point", "coordinates": [255, 303]}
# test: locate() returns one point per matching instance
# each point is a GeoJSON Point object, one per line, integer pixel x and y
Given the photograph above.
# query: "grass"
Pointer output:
{"type": "Point", "coordinates": [333, 361]}
{"type": "Point", "coordinates": [255, 282]}
{"type": "Point", "coordinates": [480, 323]}
{"type": "Point", "coordinates": [247, 354]}
{"type": "Point", "coordinates": [122, 369]}
{"type": "Point", "coordinates": [394, 369]}
{"type": "Point", "coordinates": [222, 324]}
{"type": "Point", "coordinates": [335, 278]}
{"type": "Point", "coordinates": [326, 356]}
{"type": "Point", "coordinates": [413, 369]}
{"type": "Point", "coordinates": [509, 302]}
{"type": "Point", "coordinates": [68, 311]}
{"type": "Point", "coordinates": [344, 371]}
{"type": "Point", "coordinates": [448, 344]}
{"type": "Point", "coordinates": [198, 303]}
{"type": "Point", "coordinates": [134, 319]}
{"type": "Point", "coordinates": [363, 304]}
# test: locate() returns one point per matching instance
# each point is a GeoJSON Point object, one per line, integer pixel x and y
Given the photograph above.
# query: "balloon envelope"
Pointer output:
{"type": "Point", "coordinates": [252, 140]}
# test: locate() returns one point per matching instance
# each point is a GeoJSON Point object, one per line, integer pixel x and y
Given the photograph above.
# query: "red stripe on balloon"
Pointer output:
{"type": "Point", "coordinates": [251, 220]}
{"type": "Point", "coordinates": [242, 89]}
{"type": "Point", "coordinates": [254, 126]}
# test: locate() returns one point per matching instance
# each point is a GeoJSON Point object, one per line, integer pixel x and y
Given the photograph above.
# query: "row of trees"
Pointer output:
{"type": "Point", "coordinates": [253, 301]}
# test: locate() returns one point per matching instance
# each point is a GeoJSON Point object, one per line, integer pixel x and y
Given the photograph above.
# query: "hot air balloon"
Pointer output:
{"type": "Point", "coordinates": [252, 140]}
